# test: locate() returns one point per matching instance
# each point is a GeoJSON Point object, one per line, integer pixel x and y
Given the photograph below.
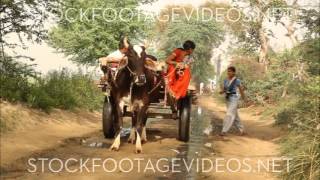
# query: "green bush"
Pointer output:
{"type": "Point", "coordinates": [303, 142]}
{"type": "Point", "coordinates": [58, 89]}
{"type": "Point", "coordinates": [14, 79]}
{"type": "Point", "coordinates": [38, 98]}
{"type": "Point", "coordinates": [298, 71]}
{"type": "Point", "coordinates": [66, 90]}
{"type": "Point", "coordinates": [311, 53]}
{"type": "Point", "coordinates": [58, 85]}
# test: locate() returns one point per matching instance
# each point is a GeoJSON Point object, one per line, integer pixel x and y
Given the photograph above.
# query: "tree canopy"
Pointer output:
{"type": "Point", "coordinates": [24, 18]}
{"type": "Point", "coordinates": [206, 34]}
{"type": "Point", "coordinates": [86, 38]}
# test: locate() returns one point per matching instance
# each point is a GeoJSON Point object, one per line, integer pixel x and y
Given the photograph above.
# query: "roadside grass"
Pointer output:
{"type": "Point", "coordinates": [3, 126]}
{"type": "Point", "coordinates": [61, 89]}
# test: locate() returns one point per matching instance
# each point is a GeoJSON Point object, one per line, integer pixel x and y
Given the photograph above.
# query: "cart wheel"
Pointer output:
{"type": "Point", "coordinates": [108, 119]}
{"type": "Point", "coordinates": [184, 118]}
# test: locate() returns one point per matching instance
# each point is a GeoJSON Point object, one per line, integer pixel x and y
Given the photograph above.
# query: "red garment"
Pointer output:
{"type": "Point", "coordinates": [178, 85]}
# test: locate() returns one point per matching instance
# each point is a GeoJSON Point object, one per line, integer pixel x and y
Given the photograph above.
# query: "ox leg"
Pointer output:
{"type": "Point", "coordinates": [138, 144]}
{"type": "Point", "coordinates": [118, 126]}
{"type": "Point", "coordinates": [141, 118]}
{"type": "Point", "coordinates": [132, 135]}
{"type": "Point", "coordinates": [135, 118]}
{"type": "Point", "coordinates": [144, 122]}
{"type": "Point", "coordinates": [144, 135]}
{"type": "Point", "coordinates": [133, 131]}
{"type": "Point", "coordinates": [116, 144]}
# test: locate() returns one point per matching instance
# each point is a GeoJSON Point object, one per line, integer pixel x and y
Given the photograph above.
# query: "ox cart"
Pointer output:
{"type": "Point", "coordinates": [160, 107]}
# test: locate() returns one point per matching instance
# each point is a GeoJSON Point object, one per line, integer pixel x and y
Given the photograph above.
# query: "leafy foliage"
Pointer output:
{"type": "Point", "coordinates": [87, 38]}
{"type": "Point", "coordinates": [59, 89]}
{"type": "Point", "coordinates": [14, 77]}
{"type": "Point", "coordinates": [66, 90]}
{"type": "Point", "coordinates": [206, 35]}
{"type": "Point", "coordinates": [303, 143]}
{"type": "Point", "coordinates": [24, 17]}
{"type": "Point", "coordinates": [302, 118]}
{"type": "Point", "coordinates": [310, 18]}
{"type": "Point", "coordinates": [311, 54]}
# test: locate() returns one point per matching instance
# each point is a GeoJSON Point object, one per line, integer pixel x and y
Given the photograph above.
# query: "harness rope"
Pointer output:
{"type": "Point", "coordinates": [153, 89]}
{"type": "Point", "coordinates": [114, 78]}
{"type": "Point", "coordinates": [131, 72]}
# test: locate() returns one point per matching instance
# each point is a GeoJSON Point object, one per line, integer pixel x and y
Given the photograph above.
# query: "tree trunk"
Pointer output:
{"type": "Point", "coordinates": [290, 32]}
{"type": "Point", "coordinates": [290, 26]}
{"type": "Point", "coordinates": [284, 92]}
{"type": "Point", "coordinates": [262, 36]}
{"type": "Point", "coordinates": [263, 47]}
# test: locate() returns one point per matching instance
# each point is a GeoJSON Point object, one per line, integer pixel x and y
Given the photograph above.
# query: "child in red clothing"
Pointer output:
{"type": "Point", "coordinates": [179, 73]}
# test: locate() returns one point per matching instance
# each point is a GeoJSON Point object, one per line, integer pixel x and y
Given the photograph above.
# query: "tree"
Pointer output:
{"type": "Point", "coordinates": [24, 18]}
{"type": "Point", "coordinates": [86, 38]}
{"type": "Point", "coordinates": [290, 25]}
{"type": "Point", "coordinates": [255, 30]}
{"type": "Point", "coordinates": [206, 35]}
{"type": "Point", "coordinates": [310, 19]}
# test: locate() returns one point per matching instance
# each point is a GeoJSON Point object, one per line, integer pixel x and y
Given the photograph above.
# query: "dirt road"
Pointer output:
{"type": "Point", "coordinates": [259, 145]}
{"type": "Point", "coordinates": [60, 149]}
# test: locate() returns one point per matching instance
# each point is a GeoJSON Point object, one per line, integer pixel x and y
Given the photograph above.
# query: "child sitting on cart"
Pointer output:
{"type": "Point", "coordinates": [113, 60]}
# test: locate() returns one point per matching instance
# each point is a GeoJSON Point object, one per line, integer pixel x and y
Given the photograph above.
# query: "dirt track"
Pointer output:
{"type": "Point", "coordinates": [85, 141]}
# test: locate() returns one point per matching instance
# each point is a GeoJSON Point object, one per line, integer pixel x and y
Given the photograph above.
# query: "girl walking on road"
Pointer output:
{"type": "Point", "coordinates": [230, 86]}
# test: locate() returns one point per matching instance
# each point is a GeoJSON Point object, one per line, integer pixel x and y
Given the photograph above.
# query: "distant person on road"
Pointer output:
{"type": "Point", "coordinates": [229, 89]}
{"type": "Point", "coordinates": [201, 88]}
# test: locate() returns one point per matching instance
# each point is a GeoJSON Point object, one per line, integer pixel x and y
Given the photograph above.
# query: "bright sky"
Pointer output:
{"type": "Point", "coordinates": [45, 57]}
{"type": "Point", "coordinates": [48, 59]}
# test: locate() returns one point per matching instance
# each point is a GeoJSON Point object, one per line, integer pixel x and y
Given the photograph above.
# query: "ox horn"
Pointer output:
{"type": "Point", "coordinates": [125, 41]}
{"type": "Point", "coordinates": [146, 44]}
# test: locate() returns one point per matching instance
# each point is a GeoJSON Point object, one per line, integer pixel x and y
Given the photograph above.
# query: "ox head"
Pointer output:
{"type": "Point", "coordinates": [136, 57]}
